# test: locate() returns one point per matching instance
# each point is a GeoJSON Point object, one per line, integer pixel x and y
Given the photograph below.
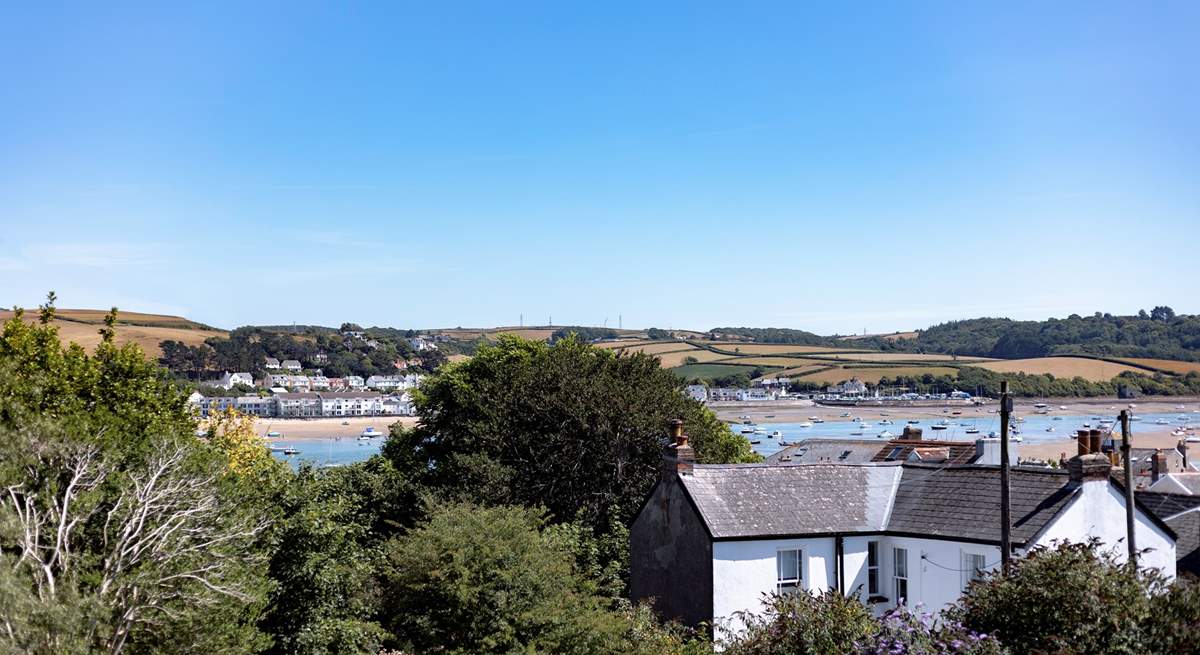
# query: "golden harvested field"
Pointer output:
{"type": "Point", "coordinates": [1092, 370]}
{"type": "Point", "coordinates": [795, 372]}
{"type": "Point", "coordinates": [148, 338]}
{"type": "Point", "coordinates": [658, 347]}
{"type": "Point", "coordinates": [900, 357]}
{"type": "Point", "coordinates": [773, 361]}
{"type": "Point", "coordinates": [872, 375]}
{"type": "Point", "coordinates": [770, 348]}
{"type": "Point", "coordinates": [1182, 368]}
{"type": "Point", "coordinates": [671, 360]}
{"type": "Point", "coordinates": [622, 344]}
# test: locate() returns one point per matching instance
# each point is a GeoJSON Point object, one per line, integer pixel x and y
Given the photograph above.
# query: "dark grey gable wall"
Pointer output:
{"type": "Point", "coordinates": [670, 557]}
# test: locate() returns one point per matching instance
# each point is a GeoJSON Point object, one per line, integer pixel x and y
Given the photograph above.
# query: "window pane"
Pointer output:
{"type": "Point", "coordinates": [872, 553]}
{"type": "Point", "coordinates": [901, 562]}
{"type": "Point", "coordinates": [788, 564]}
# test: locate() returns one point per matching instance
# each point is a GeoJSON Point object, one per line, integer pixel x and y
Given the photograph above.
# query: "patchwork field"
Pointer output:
{"type": "Point", "coordinates": [1169, 365]}
{"type": "Point", "coordinates": [770, 348]}
{"type": "Point", "coordinates": [1092, 370]}
{"type": "Point", "coordinates": [900, 357]}
{"type": "Point", "coordinates": [715, 369]}
{"type": "Point", "coordinates": [656, 347]}
{"type": "Point", "coordinates": [775, 361]}
{"type": "Point", "coordinates": [872, 375]}
{"type": "Point", "coordinates": [798, 371]}
{"type": "Point", "coordinates": [82, 326]}
{"type": "Point", "coordinates": [671, 360]}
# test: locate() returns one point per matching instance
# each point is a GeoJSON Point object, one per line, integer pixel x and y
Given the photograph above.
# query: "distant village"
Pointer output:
{"type": "Point", "coordinates": [287, 391]}
{"type": "Point", "coordinates": [851, 391]}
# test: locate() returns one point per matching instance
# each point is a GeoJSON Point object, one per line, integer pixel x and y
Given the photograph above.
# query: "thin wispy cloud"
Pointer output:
{"type": "Point", "coordinates": [92, 255]}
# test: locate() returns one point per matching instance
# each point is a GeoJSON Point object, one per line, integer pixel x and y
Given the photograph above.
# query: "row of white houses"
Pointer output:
{"type": "Point", "coordinates": [319, 382]}
{"type": "Point", "coordinates": [307, 404]}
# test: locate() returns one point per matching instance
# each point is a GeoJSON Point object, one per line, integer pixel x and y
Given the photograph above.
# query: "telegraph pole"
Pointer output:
{"type": "Point", "coordinates": [1128, 467]}
{"type": "Point", "coordinates": [1006, 405]}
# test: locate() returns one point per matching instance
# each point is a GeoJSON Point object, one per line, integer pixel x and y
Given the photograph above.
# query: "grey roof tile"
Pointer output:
{"type": "Point", "coordinates": [765, 500]}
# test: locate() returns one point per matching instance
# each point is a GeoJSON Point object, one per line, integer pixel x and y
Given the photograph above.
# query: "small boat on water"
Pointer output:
{"type": "Point", "coordinates": [744, 417]}
{"type": "Point", "coordinates": [370, 432]}
{"type": "Point", "coordinates": [776, 435]}
{"type": "Point", "coordinates": [885, 435]}
{"type": "Point", "coordinates": [806, 424]}
{"type": "Point", "coordinates": [857, 433]}
{"type": "Point", "coordinates": [845, 414]}
{"type": "Point", "coordinates": [939, 426]}
{"type": "Point", "coordinates": [972, 430]}
{"type": "Point", "coordinates": [1050, 428]}
{"type": "Point", "coordinates": [345, 422]}
{"type": "Point", "coordinates": [1056, 418]}
{"type": "Point", "coordinates": [769, 416]}
{"type": "Point", "coordinates": [755, 442]}
{"type": "Point", "coordinates": [1162, 421]}
{"type": "Point", "coordinates": [819, 420]}
{"type": "Point", "coordinates": [272, 435]}
{"type": "Point", "coordinates": [290, 451]}
{"type": "Point", "coordinates": [913, 422]}
{"type": "Point", "coordinates": [747, 430]}
{"type": "Point", "coordinates": [885, 422]}
{"type": "Point", "coordinates": [759, 429]}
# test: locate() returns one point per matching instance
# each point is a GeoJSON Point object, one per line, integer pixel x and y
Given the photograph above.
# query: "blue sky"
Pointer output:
{"type": "Point", "coordinates": [681, 165]}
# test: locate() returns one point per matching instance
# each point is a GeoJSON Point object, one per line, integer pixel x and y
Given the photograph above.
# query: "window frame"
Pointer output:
{"type": "Point", "coordinates": [969, 572]}
{"type": "Point", "coordinates": [789, 585]}
{"type": "Point", "coordinates": [872, 568]}
{"type": "Point", "coordinates": [900, 575]}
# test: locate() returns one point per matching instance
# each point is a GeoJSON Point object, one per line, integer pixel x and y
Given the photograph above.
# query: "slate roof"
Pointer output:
{"type": "Point", "coordinates": [760, 500]}
{"type": "Point", "coordinates": [964, 502]}
{"type": "Point", "coordinates": [1182, 514]}
{"type": "Point", "coordinates": [1187, 543]}
{"type": "Point", "coordinates": [835, 451]}
{"type": "Point", "coordinates": [1168, 505]}
{"type": "Point", "coordinates": [746, 501]}
{"type": "Point", "coordinates": [961, 452]}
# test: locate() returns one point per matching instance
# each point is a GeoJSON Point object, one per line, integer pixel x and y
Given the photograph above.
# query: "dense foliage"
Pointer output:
{"type": "Point", "coordinates": [569, 427]}
{"type": "Point", "coordinates": [119, 530]}
{"type": "Point", "coordinates": [246, 349]}
{"type": "Point", "coordinates": [583, 333]}
{"type": "Point", "coordinates": [1159, 333]}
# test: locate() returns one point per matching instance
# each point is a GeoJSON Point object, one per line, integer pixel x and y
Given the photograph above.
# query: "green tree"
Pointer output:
{"type": "Point", "coordinates": [827, 623]}
{"type": "Point", "coordinates": [119, 530]}
{"type": "Point", "coordinates": [570, 427]}
{"type": "Point", "coordinates": [487, 580]}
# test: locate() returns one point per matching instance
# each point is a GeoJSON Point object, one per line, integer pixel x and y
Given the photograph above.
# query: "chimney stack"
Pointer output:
{"type": "Point", "coordinates": [910, 432]}
{"type": "Point", "coordinates": [1089, 468]}
{"type": "Point", "coordinates": [1182, 448]}
{"type": "Point", "coordinates": [678, 456]}
{"type": "Point", "coordinates": [1158, 465]}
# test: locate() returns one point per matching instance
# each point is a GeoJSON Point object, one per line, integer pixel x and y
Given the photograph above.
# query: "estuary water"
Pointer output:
{"type": "Point", "coordinates": [1034, 428]}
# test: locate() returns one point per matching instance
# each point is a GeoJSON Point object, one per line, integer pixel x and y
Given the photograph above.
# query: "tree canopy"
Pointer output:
{"type": "Point", "coordinates": [569, 427]}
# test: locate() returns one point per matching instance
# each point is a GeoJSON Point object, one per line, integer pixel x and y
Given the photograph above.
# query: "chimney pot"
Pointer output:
{"type": "Point", "coordinates": [1083, 442]}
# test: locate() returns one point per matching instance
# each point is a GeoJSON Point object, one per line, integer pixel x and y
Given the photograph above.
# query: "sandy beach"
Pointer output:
{"type": "Point", "coordinates": [325, 428]}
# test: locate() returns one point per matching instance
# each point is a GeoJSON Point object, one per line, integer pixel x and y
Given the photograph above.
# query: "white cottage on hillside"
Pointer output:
{"type": "Point", "coordinates": [711, 540]}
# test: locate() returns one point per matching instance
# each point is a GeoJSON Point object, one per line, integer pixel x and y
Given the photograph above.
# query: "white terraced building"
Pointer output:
{"type": "Point", "coordinates": [712, 540]}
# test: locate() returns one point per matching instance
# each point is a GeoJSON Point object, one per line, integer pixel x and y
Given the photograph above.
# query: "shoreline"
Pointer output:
{"type": "Point", "coordinates": [308, 429]}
